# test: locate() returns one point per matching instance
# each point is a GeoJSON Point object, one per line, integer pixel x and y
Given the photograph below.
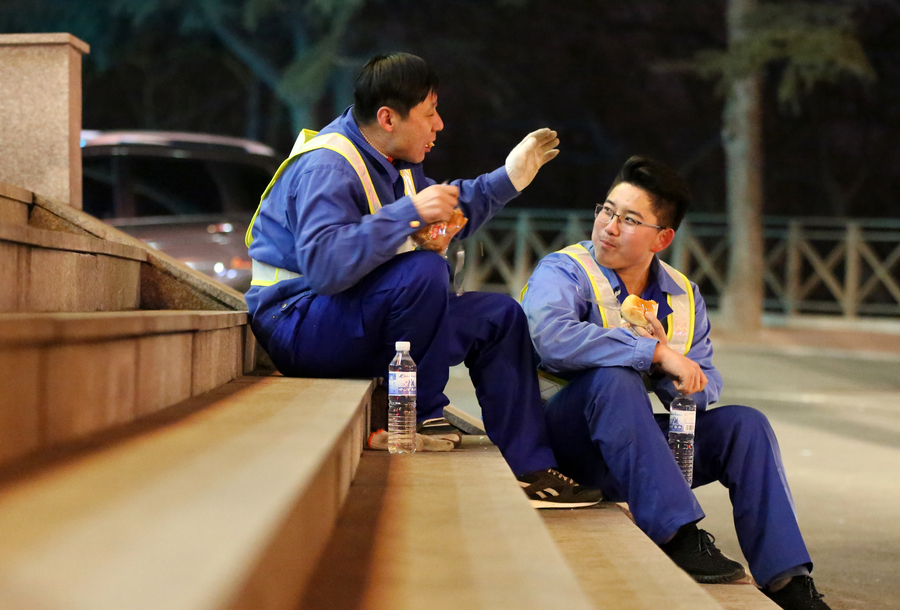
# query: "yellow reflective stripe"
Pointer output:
{"type": "Point", "coordinates": [682, 319]}
{"type": "Point", "coordinates": [670, 319]}
{"type": "Point", "coordinates": [307, 141]}
{"type": "Point", "coordinates": [409, 186]}
{"type": "Point", "coordinates": [522, 294]}
{"type": "Point", "coordinates": [602, 292]}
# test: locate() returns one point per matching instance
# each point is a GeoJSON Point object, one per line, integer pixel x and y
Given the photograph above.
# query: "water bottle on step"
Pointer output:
{"type": "Point", "coordinates": [682, 418]}
{"type": "Point", "coordinates": [402, 401]}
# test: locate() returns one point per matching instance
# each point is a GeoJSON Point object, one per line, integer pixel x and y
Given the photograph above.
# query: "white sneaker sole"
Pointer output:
{"type": "Point", "coordinates": [547, 504]}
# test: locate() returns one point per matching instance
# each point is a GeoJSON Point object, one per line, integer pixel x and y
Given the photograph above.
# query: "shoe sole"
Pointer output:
{"type": "Point", "coordinates": [546, 504]}
{"type": "Point", "coordinates": [465, 422]}
{"type": "Point", "coordinates": [720, 579]}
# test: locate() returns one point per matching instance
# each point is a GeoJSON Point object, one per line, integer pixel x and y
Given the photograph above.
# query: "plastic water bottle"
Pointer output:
{"type": "Point", "coordinates": [682, 418]}
{"type": "Point", "coordinates": [402, 401]}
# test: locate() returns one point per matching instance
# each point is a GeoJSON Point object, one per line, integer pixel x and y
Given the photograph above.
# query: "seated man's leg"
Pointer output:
{"type": "Point", "coordinates": [488, 332]}
{"type": "Point", "coordinates": [352, 333]}
{"type": "Point", "coordinates": [736, 446]}
{"type": "Point", "coordinates": [604, 434]}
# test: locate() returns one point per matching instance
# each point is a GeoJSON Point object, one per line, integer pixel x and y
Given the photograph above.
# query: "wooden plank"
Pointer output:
{"type": "Point", "coordinates": [223, 502]}
{"type": "Point", "coordinates": [619, 566]}
{"type": "Point", "coordinates": [441, 531]}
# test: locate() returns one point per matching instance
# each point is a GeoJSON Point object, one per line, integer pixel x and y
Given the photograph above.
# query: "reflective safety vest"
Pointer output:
{"type": "Point", "coordinates": [680, 322]}
{"type": "Point", "coordinates": [267, 275]}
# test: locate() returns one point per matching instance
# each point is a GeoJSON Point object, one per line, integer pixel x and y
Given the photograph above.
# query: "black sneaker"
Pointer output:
{"type": "Point", "coordinates": [799, 594]}
{"type": "Point", "coordinates": [694, 551]}
{"type": "Point", "coordinates": [440, 426]}
{"type": "Point", "coordinates": [552, 489]}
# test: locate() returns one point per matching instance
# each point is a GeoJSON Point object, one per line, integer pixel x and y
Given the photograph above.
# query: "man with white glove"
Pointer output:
{"type": "Point", "coordinates": [529, 156]}
{"type": "Point", "coordinates": [331, 294]}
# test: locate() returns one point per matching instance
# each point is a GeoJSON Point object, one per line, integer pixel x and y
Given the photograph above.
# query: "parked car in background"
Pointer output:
{"type": "Point", "coordinates": [188, 195]}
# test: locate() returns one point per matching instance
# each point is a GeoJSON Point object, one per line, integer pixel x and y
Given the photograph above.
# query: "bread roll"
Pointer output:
{"type": "Point", "coordinates": [634, 310]}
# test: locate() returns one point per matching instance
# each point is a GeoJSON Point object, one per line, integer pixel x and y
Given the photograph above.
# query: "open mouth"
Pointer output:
{"type": "Point", "coordinates": [430, 145]}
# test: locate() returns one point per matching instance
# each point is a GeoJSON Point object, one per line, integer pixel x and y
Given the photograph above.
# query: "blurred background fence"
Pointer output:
{"type": "Point", "coordinates": [813, 265]}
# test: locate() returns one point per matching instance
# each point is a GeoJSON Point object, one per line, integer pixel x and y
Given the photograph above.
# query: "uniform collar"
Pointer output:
{"type": "Point", "coordinates": [351, 129]}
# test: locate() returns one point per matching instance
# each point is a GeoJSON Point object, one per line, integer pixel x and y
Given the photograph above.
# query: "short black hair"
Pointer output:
{"type": "Point", "coordinates": [399, 81]}
{"type": "Point", "coordinates": [669, 193]}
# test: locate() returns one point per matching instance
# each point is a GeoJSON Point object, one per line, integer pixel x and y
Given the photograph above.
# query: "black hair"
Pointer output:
{"type": "Point", "coordinates": [399, 81]}
{"type": "Point", "coordinates": [669, 193]}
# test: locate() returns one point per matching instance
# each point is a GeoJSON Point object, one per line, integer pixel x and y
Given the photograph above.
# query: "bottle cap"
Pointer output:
{"type": "Point", "coordinates": [402, 346]}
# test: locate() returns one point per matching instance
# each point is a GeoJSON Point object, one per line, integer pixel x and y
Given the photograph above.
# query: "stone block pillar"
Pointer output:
{"type": "Point", "coordinates": [40, 114]}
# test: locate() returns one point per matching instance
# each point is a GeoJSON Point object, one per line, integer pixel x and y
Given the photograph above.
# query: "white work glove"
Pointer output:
{"type": "Point", "coordinates": [424, 442]}
{"type": "Point", "coordinates": [529, 155]}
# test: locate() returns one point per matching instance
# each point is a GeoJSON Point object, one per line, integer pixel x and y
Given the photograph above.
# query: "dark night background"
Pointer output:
{"type": "Point", "coordinates": [595, 71]}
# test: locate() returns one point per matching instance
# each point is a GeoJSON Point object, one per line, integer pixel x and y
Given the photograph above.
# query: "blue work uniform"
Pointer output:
{"type": "Point", "coordinates": [355, 297]}
{"type": "Point", "coordinates": [604, 433]}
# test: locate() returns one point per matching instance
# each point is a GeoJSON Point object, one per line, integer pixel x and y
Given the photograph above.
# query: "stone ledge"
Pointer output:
{"type": "Point", "coordinates": [166, 283]}
{"type": "Point", "coordinates": [47, 328]}
{"type": "Point", "coordinates": [45, 39]}
{"type": "Point", "coordinates": [224, 501]}
{"type": "Point", "coordinates": [54, 240]}
{"type": "Point", "coordinates": [14, 192]}
{"type": "Point", "coordinates": [442, 531]}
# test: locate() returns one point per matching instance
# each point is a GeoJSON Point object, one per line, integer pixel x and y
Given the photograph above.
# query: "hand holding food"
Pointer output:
{"type": "Point", "coordinates": [635, 309]}
{"type": "Point", "coordinates": [437, 235]}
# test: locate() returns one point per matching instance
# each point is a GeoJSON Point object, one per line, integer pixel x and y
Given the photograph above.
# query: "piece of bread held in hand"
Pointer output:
{"type": "Point", "coordinates": [634, 310]}
{"type": "Point", "coordinates": [437, 235]}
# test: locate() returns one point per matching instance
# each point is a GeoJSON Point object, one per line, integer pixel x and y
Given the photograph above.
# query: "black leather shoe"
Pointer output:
{"type": "Point", "coordinates": [799, 594]}
{"type": "Point", "coordinates": [694, 551]}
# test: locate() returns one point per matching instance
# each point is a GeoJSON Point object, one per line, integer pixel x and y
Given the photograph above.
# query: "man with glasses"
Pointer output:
{"type": "Point", "coordinates": [601, 423]}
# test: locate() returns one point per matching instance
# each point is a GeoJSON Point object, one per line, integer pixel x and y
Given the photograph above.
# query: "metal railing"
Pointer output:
{"type": "Point", "coordinates": [813, 265]}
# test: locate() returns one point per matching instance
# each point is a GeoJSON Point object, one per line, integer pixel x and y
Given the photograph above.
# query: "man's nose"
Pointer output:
{"type": "Point", "coordinates": [614, 221]}
{"type": "Point", "coordinates": [438, 124]}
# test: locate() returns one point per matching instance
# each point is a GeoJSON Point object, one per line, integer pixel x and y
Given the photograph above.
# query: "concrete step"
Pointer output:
{"type": "Point", "coordinates": [70, 375]}
{"type": "Point", "coordinates": [224, 501]}
{"type": "Point", "coordinates": [43, 271]}
{"type": "Point", "coordinates": [166, 283]}
{"type": "Point", "coordinates": [441, 531]}
{"type": "Point", "coordinates": [14, 202]}
{"type": "Point", "coordinates": [620, 567]}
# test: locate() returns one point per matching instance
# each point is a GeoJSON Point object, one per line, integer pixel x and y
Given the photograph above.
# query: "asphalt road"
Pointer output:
{"type": "Point", "coordinates": [837, 417]}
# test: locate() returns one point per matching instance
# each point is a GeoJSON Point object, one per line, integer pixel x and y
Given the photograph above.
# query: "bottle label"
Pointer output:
{"type": "Point", "coordinates": [402, 383]}
{"type": "Point", "coordinates": [682, 422]}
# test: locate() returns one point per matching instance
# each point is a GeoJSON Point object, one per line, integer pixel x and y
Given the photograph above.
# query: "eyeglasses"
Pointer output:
{"type": "Point", "coordinates": [605, 214]}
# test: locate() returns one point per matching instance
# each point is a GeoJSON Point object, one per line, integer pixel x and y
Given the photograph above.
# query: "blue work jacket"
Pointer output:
{"type": "Point", "coordinates": [568, 334]}
{"type": "Point", "coordinates": [316, 221]}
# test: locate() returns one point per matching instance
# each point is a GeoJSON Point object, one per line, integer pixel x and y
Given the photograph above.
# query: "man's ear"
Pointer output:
{"type": "Point", "coordinates": [663, 240]}
{"type": "Point", "coordinates": [386, 118]}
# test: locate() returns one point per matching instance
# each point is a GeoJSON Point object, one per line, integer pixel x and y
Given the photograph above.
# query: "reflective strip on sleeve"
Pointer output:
{"type": "Point", "coordinates": [267, 275]}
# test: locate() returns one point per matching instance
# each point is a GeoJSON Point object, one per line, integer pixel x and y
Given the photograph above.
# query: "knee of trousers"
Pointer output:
{"type": "Point", "coordinates": [620, 394]}
{"type": "Point", "coordinates": [746, 420]}
{"type": "Point", "coordinates": [423, 272]}
{"type": "Point", "coordinates": [503, 310]}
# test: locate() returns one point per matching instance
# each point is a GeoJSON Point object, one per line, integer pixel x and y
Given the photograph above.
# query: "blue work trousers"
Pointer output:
{"type": "Point", "coordinates": [604, 433]}
{"type": "Point", "coordinates": [352, 334]}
